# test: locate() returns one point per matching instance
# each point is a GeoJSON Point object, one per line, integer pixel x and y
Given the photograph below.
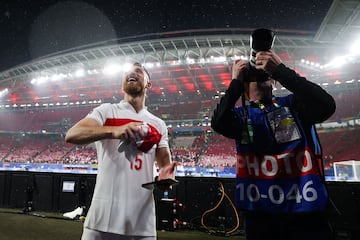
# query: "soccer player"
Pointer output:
{"type": "Point", "coordinates": [120, 207]}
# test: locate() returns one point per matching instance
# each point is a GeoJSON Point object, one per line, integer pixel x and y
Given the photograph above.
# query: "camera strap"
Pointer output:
{"type": "Point", "coordinates": [247, 132]}
{"type": "Point", "coordinates": [260, 105]}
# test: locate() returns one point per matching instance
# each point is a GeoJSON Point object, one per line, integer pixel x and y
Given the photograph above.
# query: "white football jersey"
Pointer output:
{"type": "Point", "coordinates": [120, 205]}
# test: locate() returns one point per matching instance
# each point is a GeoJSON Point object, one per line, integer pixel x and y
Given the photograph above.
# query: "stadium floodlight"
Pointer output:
{"type": "Point", "coordinates": [92, 71]}
{"type": "Point", "coordinates": [336, 62]}
{"type": "Point", "coordinates": [80, 73]}
{"type": "Point", "coordinates": [40, 80]}
{"type": "Point", "coordinates": [190, 60]}
{"type": "Point", "coordinates": [235, 57]}
{"type": "Point", "coordinates": [341, 60]}
{"type": "Point", "coordinates": [220, 59]}
{"type": "Point", "coordinates": [57, 77]}
{"type": "Point", "coordinates": [202, 60]}
{"type": "Point", "coordinates": [4, 92]}
{"type": "Point", "coordinates": [111, 69]}
{"type": "Point", "coordinates": [354, 49]}
{"type": "Point", "coordinates": [175, 62]}
{"type": "Point", "coordinates": [149, 65]}
{"type": "Point", "coordinates": [244, 57]}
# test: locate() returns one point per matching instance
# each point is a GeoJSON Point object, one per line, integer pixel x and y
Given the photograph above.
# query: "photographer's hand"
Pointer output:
{"type": "Point", "coordinates": [238, 69]}
{"type": "Point", "coordinates": [267, 61]}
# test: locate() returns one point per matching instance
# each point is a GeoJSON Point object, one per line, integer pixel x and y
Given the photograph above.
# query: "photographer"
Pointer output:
{"type": "Point", "coordinates": [280, 184]}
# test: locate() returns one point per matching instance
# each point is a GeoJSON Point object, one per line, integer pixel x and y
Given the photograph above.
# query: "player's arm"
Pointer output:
{"type": "Point", "coordinates": [166, 166]}
{"type": "Point", "coordinates": [89, 130]}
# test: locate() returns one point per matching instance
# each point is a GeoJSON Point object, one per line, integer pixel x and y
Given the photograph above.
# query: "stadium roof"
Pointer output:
{"type": "Point", "coordinates": [183, 62]}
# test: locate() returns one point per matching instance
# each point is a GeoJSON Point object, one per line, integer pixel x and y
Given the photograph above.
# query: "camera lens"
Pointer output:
{"type": "Point", "coordinates": [261, 39]}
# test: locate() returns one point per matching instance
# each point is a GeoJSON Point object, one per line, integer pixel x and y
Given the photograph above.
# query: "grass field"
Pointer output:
{"type": "Point", "coordinates": [15, 225]}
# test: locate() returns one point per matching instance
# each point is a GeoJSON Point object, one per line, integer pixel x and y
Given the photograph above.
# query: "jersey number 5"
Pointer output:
{"type": "Point", "coordinates": [137, 164]}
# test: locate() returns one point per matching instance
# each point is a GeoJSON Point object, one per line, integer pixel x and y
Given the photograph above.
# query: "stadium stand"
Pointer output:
{"type": "Point", "coordinates": [220, 152]}
{"type": "Point", "coordinates": [54, 153]}
{"type": "Point", "coordinates": [347, 105]}
{"type": "Point", "coordinates": [44, 129]}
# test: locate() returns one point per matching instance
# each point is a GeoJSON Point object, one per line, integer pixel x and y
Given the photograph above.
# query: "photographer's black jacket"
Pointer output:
{"type": "Point", "coordinates": [312, 103]}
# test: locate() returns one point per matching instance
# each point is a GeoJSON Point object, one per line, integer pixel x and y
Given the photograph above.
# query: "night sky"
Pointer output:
{"type": "Point", "coordinates": [35, 28]}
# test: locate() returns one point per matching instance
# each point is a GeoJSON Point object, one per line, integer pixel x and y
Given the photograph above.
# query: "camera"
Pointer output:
{"type": "Point", "coordinates": [261, 39]}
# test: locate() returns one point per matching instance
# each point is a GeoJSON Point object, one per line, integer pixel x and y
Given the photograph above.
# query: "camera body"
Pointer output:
{"type": "Point", "coordinates": [261, 39]}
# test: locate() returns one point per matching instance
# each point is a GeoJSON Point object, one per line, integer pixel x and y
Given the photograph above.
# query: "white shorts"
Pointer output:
{"type": "Point", "coordinates": [90, 234]}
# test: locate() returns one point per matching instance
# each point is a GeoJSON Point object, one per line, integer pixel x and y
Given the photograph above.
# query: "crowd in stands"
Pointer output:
{"type": "Point", "coordinates": [36, 136]}
{"type": "Point", "coordinates": [202, 151]}
{"type": "Point", "coordinates": [347, 106]}
{"type": "Point", "coordinates": [220, 152]}
{"type": "Point", "coordinates": [340, 146]}
{"type": "Point", "coordinates": [44, 149]}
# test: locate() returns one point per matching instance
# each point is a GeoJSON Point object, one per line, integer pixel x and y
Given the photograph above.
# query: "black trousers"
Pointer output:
{"type": "Point", "coordinates": [295, 226]}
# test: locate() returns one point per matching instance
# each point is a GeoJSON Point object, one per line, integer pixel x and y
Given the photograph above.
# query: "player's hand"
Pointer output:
{"type": "Point", "coordinates": [168, 171]}
{"type": "Point", "coordinates": [128, 131]}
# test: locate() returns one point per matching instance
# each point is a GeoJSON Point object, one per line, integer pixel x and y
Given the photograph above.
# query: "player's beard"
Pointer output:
{"type": "Point", "coordinates": [133, 89]}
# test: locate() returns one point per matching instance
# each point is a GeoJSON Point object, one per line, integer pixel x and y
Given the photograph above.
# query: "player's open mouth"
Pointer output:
{"type": "Point", "coordinates": [131, 79]}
